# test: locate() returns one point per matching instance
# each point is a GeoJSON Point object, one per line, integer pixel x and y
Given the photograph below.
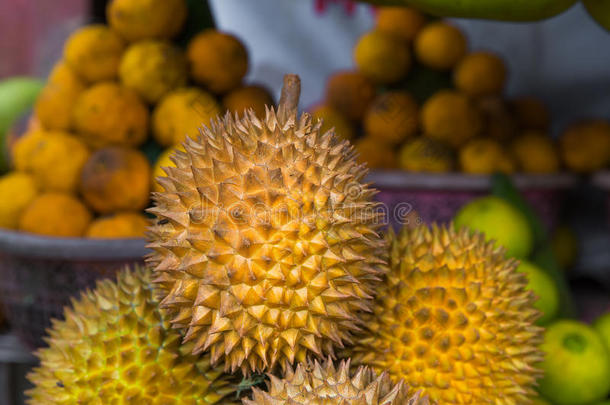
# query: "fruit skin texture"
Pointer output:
{"type": "Point", "coordinates": [332, 118]}
{"type": "Point", "coordinates": [245, 97]}
{"type": "Point", "coordinates": [54, 159]}
{"type": "Point", "coordinates": [55, 214]}
{"type": "Point", "coordinates": [451, 117]}
{"type": "Point", "coordinates": [536, 153]}
{"type": "Point", "coordinates": [440, 46]}
{"type": "Point", "coordinates": [136, 20]}
{"type": "Point", "coordinates": [425, 155]}
{"type": "Point", "coordinates": [117, 330]}
{"type": "Point", "coordinates": [218, 60]}
{"type": "Point", "coordinates": [153, 69]}
{"type": "Point", "coordinates": [453, 318]}
{"type": "Point", "coordinates": [116, 179]}
{"type": "Point", "coordinates": [266, 245]}
{"type": "Point", "coordinates": [123, 225]}
{"type": "Point", "coordinates": [382, 57]}
{"type": "Point", "coordinates": [164, 160]}
{"type": "Point", "coordinates": [350, 93]}
{"type": "Point", "coordinates": [540, 401]}
{"type": "Point", "coordinates": [404, 22]}
{"type": "Point", "coordinates": [109, 114]}
{"type": "Point", "coordinates": [500, 222]}
{"type": "Point", "coordinates": [56, 101]}
{"type": "Point", "coordinates": [375, 155]}
{"type": "Point", "coordinates": [392, 117]}
{"type": "Point", "coordinates": [602, 327]}
{"type": "Point", "coordinates": [480, 74]}
{"type": "Point", "coordinates": [22, 189]}
{"type": "Point", "coordinates": [485, 156]}
{"type": "Point", "coordinates": [576, 364]}
{"type": "Point", "coordinates": [585, 146]}
{"type": "Point", "coordinates": [94, 52]}
{"type": "Point", "coordinates": [600, 11]}
{"type": "Point", "coordinates": [545, 289]}
{"type": "Point", "coordinates": [318, 384]}
{"type": "Point", "coordinates": [182, 113]}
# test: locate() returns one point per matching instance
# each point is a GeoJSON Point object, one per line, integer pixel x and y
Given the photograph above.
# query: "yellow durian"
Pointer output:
{"type": "Point", "coordinates": [265, 245]}
{"type": "Point", "coordinates": [115, 346]}
{"type": "Point", "coordinates": [455, 319]}
{"type": "Point", "coordinates": [323, 384]}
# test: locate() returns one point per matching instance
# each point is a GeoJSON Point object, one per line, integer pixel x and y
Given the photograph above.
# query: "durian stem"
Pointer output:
{"type": "Point", "coordinates": [289, 100]}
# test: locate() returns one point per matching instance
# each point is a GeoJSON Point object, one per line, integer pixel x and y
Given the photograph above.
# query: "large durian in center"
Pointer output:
{"type": "Point", "coordinates": [266, 243]}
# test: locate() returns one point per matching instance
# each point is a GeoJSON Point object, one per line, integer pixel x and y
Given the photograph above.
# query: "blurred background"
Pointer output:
{"type": "Point", "coordinates": [562, 63]}
{"type": "Point", "coordinates": [563, 60]}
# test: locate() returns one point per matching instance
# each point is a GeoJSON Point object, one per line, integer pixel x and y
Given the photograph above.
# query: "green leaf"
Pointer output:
{"type": "Point", "coordinates": [543, 256]}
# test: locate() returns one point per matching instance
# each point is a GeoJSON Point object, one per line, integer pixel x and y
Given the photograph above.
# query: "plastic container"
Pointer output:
{"type": "Point", "coordinates": [437, 197]}
{"type": "Point", "coordinates": [39, 275]}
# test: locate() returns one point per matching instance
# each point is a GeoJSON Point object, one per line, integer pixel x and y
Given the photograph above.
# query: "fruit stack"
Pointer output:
{"type": "Point", "coordinates": [420, 101]}
{"type": "Point", "coordinates": [268, 259]}
{"type": "Point", "coordinates": [120, 94]}
{"type": "Point", "coordinates": [576, 363]}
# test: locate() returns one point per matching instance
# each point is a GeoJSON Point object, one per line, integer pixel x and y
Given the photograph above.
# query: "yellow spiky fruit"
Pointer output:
{"type": "Point", "coordinates": [313, 383]}
{"type": "Point", "coordinates": [115, 346]}
{"type": "Point", "coordinates": [454, 318]}
{"type": "Point", "coordinates": [266, 243]}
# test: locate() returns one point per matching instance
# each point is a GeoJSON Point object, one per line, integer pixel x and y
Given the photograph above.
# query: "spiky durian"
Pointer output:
{"type": "Point", "coordinates": [114, 346]}
{"type": "Point", "coordinates": [266, 242]}
{"type": "Point", "coordinates": [315, 384]}
{"type": "Point", "coordinates": [454, 318]}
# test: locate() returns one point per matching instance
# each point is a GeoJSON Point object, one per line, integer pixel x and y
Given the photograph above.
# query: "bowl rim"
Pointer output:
{"type": "Point", "coordinates": [466, 182]}
{"type": "Point", "coordinates": [44, 247]}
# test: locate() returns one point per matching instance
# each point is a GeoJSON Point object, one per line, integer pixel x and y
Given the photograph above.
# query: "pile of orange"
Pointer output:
{"type": "Point", "coordinates": [84, 167]}
{"type": "Point", "coordinates": [460, 121]}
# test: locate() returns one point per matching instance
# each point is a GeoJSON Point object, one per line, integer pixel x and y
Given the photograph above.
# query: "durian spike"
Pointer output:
{"type": "Point", "coordinates": [289, 99]}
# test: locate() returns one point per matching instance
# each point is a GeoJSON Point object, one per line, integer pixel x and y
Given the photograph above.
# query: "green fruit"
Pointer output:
{"type": "Point", "coordinates": [545, 289]}
{"type": "Point", "coordinates": [602, 326]}
{"type": "Point", "coordinates": [576, 365]}
{"type": "Point", "coordinates": [600, 11]}
{"type": "Point", "coordinates": [499, 221]}
{"type": "Point", "coordinates": [540, 401]}
{"type": "Point", "coordinates": [506, 10]}
{"type": "Point", "coordinates": [16, 96]}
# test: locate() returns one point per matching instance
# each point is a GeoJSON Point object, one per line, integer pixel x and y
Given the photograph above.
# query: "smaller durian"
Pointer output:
{"type": "Point", "coordinates": [323, 384]}
{"type": "Point", "coordinates": [116, 347]}
{"type": "Point", "coordinates": [455, 319]}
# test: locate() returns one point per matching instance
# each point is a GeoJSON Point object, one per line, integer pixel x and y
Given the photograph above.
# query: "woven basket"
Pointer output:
{"type": "Point", "coordinates": [39, 275]}
{"type": "Point", "coordinates": [438, 197]}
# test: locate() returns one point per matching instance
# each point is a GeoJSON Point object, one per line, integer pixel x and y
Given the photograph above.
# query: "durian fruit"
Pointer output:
{"type": "Point", "coordinates": [454, 318]}
{"type": "Point", "coordinates": [323, 384]}
{"type": "Point", "coordinates": [115, 347]}
{"type": "Point", "coordinates": [266, 243]}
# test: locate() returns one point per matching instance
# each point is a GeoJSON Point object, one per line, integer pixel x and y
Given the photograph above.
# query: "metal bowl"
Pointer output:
{"type": "Point", "coordinates": [437, 197]}
{"type": "Point", "coordinates": [39, 275]}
